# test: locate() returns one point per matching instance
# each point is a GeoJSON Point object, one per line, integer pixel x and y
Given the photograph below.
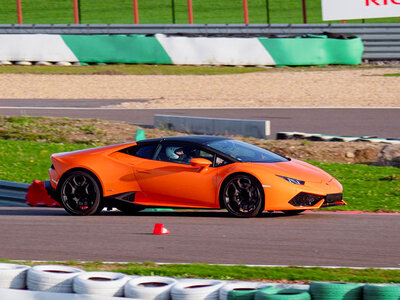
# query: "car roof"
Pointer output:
{"type": "Point", "coordinates": [197, 139]}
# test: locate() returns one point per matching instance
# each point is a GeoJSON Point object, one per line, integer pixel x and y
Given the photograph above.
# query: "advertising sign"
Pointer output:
{"type": "Point", "coordinates": [359, 9]}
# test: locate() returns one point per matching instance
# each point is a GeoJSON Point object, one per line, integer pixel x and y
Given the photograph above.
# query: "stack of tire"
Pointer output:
{"type": "Point", "coordinates": [65, 279]}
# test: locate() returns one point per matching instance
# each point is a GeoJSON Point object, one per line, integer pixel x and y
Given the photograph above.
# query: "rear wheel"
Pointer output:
{"type": "Point", "coordinates": [243, 196]}
{"type": "Point", "coordinates": [80, 194]}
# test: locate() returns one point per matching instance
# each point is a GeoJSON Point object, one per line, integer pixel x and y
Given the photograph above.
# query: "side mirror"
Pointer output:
{"type": "Point", "coordinates": [200, 163]}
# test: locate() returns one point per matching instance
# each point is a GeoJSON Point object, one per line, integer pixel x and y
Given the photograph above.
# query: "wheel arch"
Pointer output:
{"type": "Point", "coordinates": [227, 178]}
{"type": "Point", "coordinates": [63, 176]}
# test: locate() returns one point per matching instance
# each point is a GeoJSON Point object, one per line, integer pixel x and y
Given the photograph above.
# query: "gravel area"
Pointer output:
{"type": "Point", "coordinates": [275, 88]}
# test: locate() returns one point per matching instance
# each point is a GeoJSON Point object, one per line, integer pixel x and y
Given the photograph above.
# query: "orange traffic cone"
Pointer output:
{"type": "Point", "coordinates": [160, 229]}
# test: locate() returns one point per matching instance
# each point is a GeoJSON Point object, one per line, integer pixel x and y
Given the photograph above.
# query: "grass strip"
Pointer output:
{"type": "Point", "coordinates": [132, 69]}
{"type": "Point", "coordinates": [158, 12]}
{"type": "Point", "coordinates": [138, 69]}
{"type": "Point", "coordinates": [366, 188]}
{"type": "Point", "coordinates": [240, 272]}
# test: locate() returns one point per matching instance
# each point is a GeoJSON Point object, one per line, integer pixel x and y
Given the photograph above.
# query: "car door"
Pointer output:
{"type": "Point", "coordinates": [169, 179]}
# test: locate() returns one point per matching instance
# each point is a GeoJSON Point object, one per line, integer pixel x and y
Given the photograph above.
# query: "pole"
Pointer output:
{"type": "Point", "coordinates": [19, 11]}
{"type": "Point", "coordinates": [76, 12]}
{"type": "Point", "coordinates": [173, 11]}
{"type": "Point", "coordinates": [136, 11]}
{"type": "Point", "coordinates": [190, 11]}
{"type": "Point", "coordinates": [245, 12]}
{"type": "Point", "coordinates": [267, 8]}
{"type": "Point", "coordinates": [304, 12]}
{"type": "Point", "coordinates": [79, 11]}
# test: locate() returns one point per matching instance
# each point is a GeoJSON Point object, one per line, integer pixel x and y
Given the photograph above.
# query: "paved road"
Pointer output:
{"type": "Point", "coordinates": [381, 122]}
{"type": "Point", "coordinates": [209, 237]}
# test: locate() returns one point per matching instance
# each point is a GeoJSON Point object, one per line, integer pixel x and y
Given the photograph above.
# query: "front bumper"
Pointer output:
{"type": "Point", "coordinates": [304, 199]}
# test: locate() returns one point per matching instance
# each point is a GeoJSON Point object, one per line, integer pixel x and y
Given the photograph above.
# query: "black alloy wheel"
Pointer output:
{"type": "Point", "coordinates": [80, 194]}
{"type": "Point", "coordinates": [243, 196]}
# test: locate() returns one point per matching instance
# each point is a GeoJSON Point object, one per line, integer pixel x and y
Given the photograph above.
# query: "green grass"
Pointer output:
{"type": "Point", "coordinates": [392, 74]}
{"type": "Point", "coordinates": [282, 274]}
{"type": "Point", "coordinates": [129, 70]}
{"type": "Point", "coordinates": [159, 11]}
{"type": "Point", "coordinates": [23, 161]}
{"type": "Point", "coordinates": [366, 188]}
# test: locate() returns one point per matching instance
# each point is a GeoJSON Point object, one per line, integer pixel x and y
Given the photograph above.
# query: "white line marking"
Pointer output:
{"type": "Point", "coordinates": [229, 265]}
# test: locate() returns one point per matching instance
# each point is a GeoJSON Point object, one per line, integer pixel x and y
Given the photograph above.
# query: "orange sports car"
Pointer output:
{"type": "Point", "coordinates": [195, 171]}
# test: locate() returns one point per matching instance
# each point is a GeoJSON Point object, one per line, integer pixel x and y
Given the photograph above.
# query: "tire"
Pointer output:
{"type": "Point", "coordinates": [381, 292]}
{"type": "Point", "coordinates": [196, 290]}
{"type": "Point", "coordinates": [282, 294]}
{"type": "Point", "coordinates": [336, 291]}
{"type": "Point", "coordinates": [51, 278]}
{"type": "Point", "coordinates": [80, 194]}
{"type": "Point", "coordinates": [149, 287]}
{"type": "Point", "coordinates": [240, 290]}
{"type": "Point", "coordinates": [100, 283]}
{"type": "Point", "coordinates": [13, 276]}
{"type": "Point", "coordinates": [293, 212]}
{"type": "Point", "coordinates": [243, 196]}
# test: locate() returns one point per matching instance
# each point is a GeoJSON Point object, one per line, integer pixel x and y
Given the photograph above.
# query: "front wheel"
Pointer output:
{"type": "Point", "coordinates": [243, 196]}
{"type": "Point", "coordinates": [80, 194]}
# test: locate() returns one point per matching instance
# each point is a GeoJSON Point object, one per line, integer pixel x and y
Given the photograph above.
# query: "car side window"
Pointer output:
{"type": "Point", "coordinates": [143, 151]}
{"type": "Point", "coordinates": [178, 153]}
{"type": "Point", "coordinates": [219, 161]}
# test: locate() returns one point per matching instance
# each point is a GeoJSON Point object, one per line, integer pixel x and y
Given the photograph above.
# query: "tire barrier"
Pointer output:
{"type": "Point", "coordinates": [100, 283]}
{"type": "Point", "coordinates": [196, 290]}
{"type": "Point", "coordinates": [240, 290]}
{"type": "Point", "coordinates": [149, 287]}
{"type": "Point", "coordinates": [23, 49]}
{"type": "Point", "coordinates": [282, 294]}
{"type": "Point", "coordinates": [13, 276]}
{"type": "Point", "coordinates": [336, 291]}
{"type": "Point", "coordinates": [381, 292]}
{"type": "Point", "coordinates": [48, 282]}
{"type": "Point", "coordinates": [332, 138]}
{"type": "Point", "coordinates": [52, 278]}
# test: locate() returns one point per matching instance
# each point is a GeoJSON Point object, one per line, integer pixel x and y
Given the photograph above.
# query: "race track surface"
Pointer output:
{"type": "Point", "coordinates": [325, 239]}
{"type": "Point", "coordinates": [381, 122]}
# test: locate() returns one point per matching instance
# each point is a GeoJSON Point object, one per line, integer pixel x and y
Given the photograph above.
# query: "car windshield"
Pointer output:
{"type": "Point", "coordinates": [245, 152]}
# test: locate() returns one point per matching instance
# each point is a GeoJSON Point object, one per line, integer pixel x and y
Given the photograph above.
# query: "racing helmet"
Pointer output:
{"type": "Point", "coordinates": [170, 152]}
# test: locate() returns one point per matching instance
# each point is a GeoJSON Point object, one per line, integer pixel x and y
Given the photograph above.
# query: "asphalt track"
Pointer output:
{"type": "Point", "coordinates": [381, 122]}
{"type": "Point", "coordinates": [325, 239]}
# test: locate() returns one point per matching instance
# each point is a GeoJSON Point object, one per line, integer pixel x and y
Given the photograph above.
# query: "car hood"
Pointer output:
{"type": "Point", "coordinates": [297, 169]}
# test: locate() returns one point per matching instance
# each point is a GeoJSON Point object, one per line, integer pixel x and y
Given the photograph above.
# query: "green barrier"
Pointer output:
{"type": "Point", "coordinates": [241, 294]}
{"type": "Point", "coordinates": [336, 291]}
{"type": "Point", "coordinates": [282, 294]}
{"type": "Point", "coordinates": [117, 49]}
{"type": "Point", "coordinates": [316, 50]}
{"type": "Point", "coordinates": [140, 135]}
{"type": "Point", "coordinates": [381, 292]}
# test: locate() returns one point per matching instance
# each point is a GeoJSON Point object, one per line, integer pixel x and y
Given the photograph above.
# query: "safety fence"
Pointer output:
{"type": "Point", "coordinates": [381, 41]}
{"type": "Point", "coordinates": [66, 283]}
{"type": "Point", "coordinates": [12, 193]}
{"type": "Point", "coordinates": [169, 11]}
{"type": "Point", "coordinates": [180, 50]}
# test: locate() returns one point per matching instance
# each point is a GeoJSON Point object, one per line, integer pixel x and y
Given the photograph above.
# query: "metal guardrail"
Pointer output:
{"type": "Point", "coordinates": [381, 41]}
{"type": "Point", "coordinates": [13, 193]}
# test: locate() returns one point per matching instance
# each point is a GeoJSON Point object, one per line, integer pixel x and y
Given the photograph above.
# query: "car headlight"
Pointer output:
{"type": "Point", "coordinates": [292, 180]}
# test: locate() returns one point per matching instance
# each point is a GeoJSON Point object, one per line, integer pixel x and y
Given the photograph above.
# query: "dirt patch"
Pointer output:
{"type": "Point", "coordinates": [332, 88]}
{"type": "Point", "coordinates": [95, 132]}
